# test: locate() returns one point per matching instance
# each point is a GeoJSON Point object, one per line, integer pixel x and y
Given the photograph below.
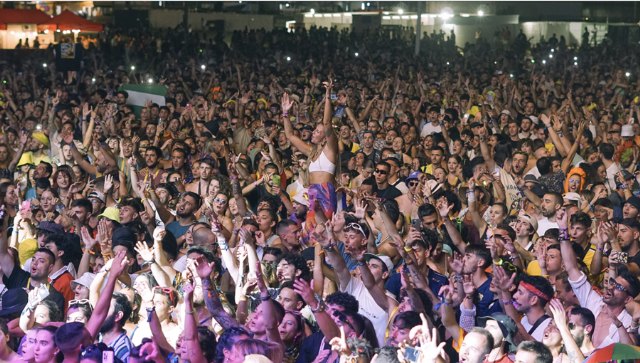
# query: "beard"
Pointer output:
{"type": "Point", "coordinates": [109, 324]}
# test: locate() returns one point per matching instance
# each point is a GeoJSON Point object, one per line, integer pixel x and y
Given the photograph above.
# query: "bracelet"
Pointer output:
{"type": "Point", "coordinates": [563, 235]}
{"type": "Point", "coordinates": [285, 114]}
{"type": "Point", "coordinates": [507, 302]}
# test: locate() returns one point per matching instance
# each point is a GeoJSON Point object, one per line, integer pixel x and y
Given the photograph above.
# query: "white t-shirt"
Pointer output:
{"type": "Point", "coordinates": [545, 224]}
{"type": "Point", "coordinates": [368, 307]}
{"type": "Point", "coordinates": [539, 332]}
{"type": "Point", "coordinates": [429, 129]}
{"type": "Point", "coordinates": [612, 171]}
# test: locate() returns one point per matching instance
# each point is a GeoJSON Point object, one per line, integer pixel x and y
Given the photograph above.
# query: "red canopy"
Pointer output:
{"type": "Point", "coordinates": [67, 20]}
{"type": "Point", "coordinates": [22, 16]}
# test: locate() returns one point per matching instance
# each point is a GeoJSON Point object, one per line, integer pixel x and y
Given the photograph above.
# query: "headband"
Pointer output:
{"type": "Point", "coordinates": [534, 290]}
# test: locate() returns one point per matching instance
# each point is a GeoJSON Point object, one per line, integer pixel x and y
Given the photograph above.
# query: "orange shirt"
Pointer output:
{"type": "Point", "coordinates": [63, 285]}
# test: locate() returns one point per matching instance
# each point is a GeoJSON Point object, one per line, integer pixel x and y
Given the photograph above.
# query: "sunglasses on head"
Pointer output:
{"type": "Point", "coordinates": [357, 227]}
{"type": "Point", "coordinates": [166, 290]}
{"type": "Point", "coordinates": [79, 302]}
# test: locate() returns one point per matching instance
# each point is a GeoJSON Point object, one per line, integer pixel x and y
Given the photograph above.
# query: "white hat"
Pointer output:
{"type": "Point", "coordinates": [382, 258]}
{"type": "Point", "coordinates": [533, 119]}
{"type": "Point", "coordinates": [505, 112]}
{"type": "Point", "coordinates": [627, 131]}
{"type": "Point", "coordinates": [85, 280]}
{"type": "Point", "coordinates": [302, 197]}
{"type": "Point", "coordinates": [573, 197]}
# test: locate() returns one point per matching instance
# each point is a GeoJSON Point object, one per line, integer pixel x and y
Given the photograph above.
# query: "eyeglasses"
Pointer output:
{"type": "Point", "coordinates": [357, 227]}
{"type": "Point", "coordinates": [380, 171]}
{"type": "Point", "coordinates": [220, 200]}
{"type": "Point", "coordinates": [79, 302]}
{"type": "Point", "coordinates": [614, 284]}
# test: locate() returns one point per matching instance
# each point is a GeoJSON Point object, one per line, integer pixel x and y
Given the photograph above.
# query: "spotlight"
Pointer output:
{"type": "Point", "coordinates": [133, 68]}
{"type": "Point", "coordinates": [150, 80]}
{"type": "Point", "coordinates": [203, 67]}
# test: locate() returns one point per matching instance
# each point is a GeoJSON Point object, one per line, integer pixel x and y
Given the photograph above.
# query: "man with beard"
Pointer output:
{"type": "Point", "coordinates": [530, 299]}
{"type": "Point", "coordinates": [583, 324]}
{"type": "Point", "coordinates": [38, 277]}
{"type": "Point", "coordinates": [188, 204]}
{"type": "Point", "coordinates": [289, 232]}
{"type": "Point", "coordinates": [121, 99]}
{"type": "Point", "coordinates": [112, 331]}
{"type": "Point", "coordinates": [104, 161]}
{"type": "Point", "coordinates": [612, 319]}
{"type": "Point", "coordinates": [291, 267]}
{"type": "Point", "coordinates": [519, 162]}
{"type": "Point", "coordinates": [474, 263]}
{"type": "Point", "coordinates": [551, 204]}
{"type": "Point", "coordinates": [628, 236]}
{"type": "Point", "coordinates": [152, 173]}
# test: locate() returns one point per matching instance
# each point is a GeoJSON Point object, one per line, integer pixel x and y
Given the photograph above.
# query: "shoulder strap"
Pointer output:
{"type": "Point", "coordinates": [537, 323]}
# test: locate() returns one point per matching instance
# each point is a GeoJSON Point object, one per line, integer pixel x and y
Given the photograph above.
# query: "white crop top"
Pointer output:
{"type": "Point", "coordinates": [322, 163]}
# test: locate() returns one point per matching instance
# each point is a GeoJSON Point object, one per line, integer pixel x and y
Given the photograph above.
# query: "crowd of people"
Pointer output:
{"type": "Point", "coordinates": [320, 196]}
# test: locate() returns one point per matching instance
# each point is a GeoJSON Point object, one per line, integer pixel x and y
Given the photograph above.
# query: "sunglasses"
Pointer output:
{"type": "Point", "coordinates": [219, 200]}
{"type": "Point", "coordinates": [380, 171]}
{"type": "Point", "coordinates": [357, 227]}
{"type": "Point", "coordinates": [166, 290]}
{"type": "Point", "coordinates": [79, 302]}
{"type": "Point", "coordinates": [614, 284]}
{"type": "Point", "coordinates": [413, 183]}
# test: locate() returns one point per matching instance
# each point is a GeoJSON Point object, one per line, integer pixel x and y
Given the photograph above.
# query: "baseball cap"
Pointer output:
{"type": "Point", "coordinates": [634, 201]}
{"type": "Point", "coordinates": [532, 221]}
{"type": "Point", "coordinates": [382, 258]}
{"type": "Point", "coordinates": [506, 324]}
{"type": "Point", "coordinates": [302, 197]}
{"type": "Point", "coordinates": [96, 195]}
{"type": "Point", "coordinates": [505, 112]}
{"type": "Point", "coordinates": [572, 198]}
{"type": "Point", "coordinates": [415, 175]}
{"type": "Point", "coordinates": [50, 227]}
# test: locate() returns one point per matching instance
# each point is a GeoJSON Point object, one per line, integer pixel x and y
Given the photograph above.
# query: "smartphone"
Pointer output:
{"type": "Point", "coordinates": [334, 96]}
{"type": "Point", "coordinates": [416, 224]}
{"type": "Point", "coordinates": [275, 179]}
{"type": "Point", "coordinates": [411, 354]}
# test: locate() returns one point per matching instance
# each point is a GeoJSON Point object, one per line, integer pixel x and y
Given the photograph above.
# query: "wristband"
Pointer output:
{"type": "Point", "coordinates": [507, 302]}
{"type": "Point", "coordinates": [265, 298]}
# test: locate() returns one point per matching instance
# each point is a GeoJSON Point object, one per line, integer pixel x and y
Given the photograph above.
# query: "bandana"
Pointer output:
{"type": "Point", "coordinates": [534, 290]}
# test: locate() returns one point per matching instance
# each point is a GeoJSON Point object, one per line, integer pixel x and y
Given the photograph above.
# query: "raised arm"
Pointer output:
{"type": "Point", "coordinates": [211, 298]}
{"type": "Point", "coordinates": [6, 260]}
{"type": "Point", "coordinates": [268, 309]}
{"type": "Point", "coordinates": [118, 267]}
{"type": "Point", "coordinates": [190, 333]}
{"type": "Point", "coordinates": [568, 254]}
{"type": "Point", "coordinates": [286, 105]}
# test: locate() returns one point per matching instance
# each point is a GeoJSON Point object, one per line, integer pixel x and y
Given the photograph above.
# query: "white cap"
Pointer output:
{"type": "Point", "coordinates": [302, 197]}
{"type": "Point", "coordinates": [384, 259]}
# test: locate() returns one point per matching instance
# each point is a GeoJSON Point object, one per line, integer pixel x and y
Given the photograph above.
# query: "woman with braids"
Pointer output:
{"type": "Point", "coordinates": [323, 157]}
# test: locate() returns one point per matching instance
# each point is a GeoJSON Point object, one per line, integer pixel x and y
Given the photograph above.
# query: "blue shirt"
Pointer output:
{"type": "Point", "coordinates": [176, 229]}
{"type": "Point", "coordinates": [486, 305]}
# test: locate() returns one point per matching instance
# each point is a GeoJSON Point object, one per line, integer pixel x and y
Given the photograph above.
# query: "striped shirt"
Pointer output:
{"type": "Point", "coordinates": [121, 346]}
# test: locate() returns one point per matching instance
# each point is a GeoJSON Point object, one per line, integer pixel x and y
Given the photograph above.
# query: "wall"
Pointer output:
{"type": "Point", "coordinates": [169, 18]}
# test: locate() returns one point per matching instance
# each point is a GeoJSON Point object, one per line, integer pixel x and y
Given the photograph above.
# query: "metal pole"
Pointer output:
{"type": "Point", "coordinates": [418, 28]}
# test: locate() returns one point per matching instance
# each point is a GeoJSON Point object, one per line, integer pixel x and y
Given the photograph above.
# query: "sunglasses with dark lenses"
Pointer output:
{"type": "Point", "coordinates": [413, 183]}
{"type": "Point", "coordinates": [614, 284]}
{"type": "Point", "coordinates": [380, 171]}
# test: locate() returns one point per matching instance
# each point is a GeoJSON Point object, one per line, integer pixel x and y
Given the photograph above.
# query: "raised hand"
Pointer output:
{"type": "Point", "coordinates": [89, 242]}
{"type": "Point", "coordinates": [286, 103]}
{"type": "Point", "coordinates": [120, 263]}
{"type": "Point", "coordinates": [204, 268]}
{"type": "Point", "coordinates": [108, 183]}
{"type": "Point", "coordinates": [456, 264]}
{"type": "Point", "coordinates": [145, 252]}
